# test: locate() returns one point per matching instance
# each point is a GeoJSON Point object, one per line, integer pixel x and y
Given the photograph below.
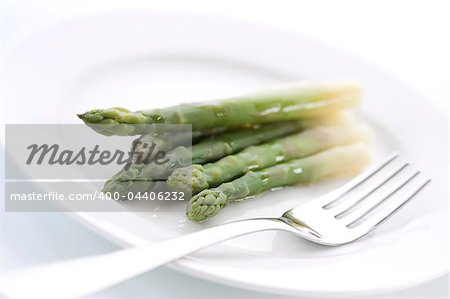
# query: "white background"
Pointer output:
{"type": "Point", "coordinates": [409, 39]}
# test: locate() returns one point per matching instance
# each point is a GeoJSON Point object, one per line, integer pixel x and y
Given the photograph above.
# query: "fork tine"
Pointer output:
{"type": "Point", "coordinates": [397, 203]}
{"type": "Point", "coordinates": [346, 207]}
{"type": "Point", "coordinates": [377, 200]}
{"type": "Point", "coordinates": [333, 197]}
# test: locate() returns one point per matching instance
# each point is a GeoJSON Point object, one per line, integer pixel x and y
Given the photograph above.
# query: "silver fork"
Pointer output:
{"type": "Point", "coordinates": [339, 217]}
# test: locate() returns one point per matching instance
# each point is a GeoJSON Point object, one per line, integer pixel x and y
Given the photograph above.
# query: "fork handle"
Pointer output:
{"type": "Point", "coordinates": [83, 276]}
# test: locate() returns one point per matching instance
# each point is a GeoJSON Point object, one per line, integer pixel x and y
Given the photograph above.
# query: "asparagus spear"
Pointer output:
{"type": "Point", "coordinates": [342, 160]}
{"type": "Point", "coordinates": [151, 144]}
{"type": "Point", "coordinates": [141, 177]}
{"type": "Point", "coordinates": [287, 103]}
{"type": "Point", "coordinates": [199, 135]}
{"type": "Point", "coordinates": [144, 175]}
{"type": "Point", "coordinates": [167, 141]}
{"type": "Point", "coordinates": [232, 142]}
{"type": "Point", "coordinates": [195, 178]}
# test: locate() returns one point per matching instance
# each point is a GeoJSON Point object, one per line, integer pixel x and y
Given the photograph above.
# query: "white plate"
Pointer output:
{"type": "Point", "coordinates": [141, 60]}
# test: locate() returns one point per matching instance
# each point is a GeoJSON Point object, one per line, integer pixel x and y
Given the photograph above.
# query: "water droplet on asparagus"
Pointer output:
{"type": "Point", "coordinates": [245, 198]}
{"type": "Point", "coordinates": [297, 170]}
{"type": "Point", "coordinates": [253, 166]}
{"type": "Point", "coordinates": [264, 179]}
{"type": "Point", "coordinates": [279, 158]}
{"type": "Point", "coordinates": [271, 110]}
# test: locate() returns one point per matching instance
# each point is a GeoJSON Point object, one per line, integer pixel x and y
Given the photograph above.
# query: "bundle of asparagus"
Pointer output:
{"type": "Point", "coordinates": [293, 134]}
{"type": "Point", "coordinates": [140, 177]}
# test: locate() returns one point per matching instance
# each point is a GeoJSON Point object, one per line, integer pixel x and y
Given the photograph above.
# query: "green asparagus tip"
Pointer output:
{"type": "Point", "coordinates": [115, 115]}
{"type": "Point", "coordinates": [128, 181]}
{"type": "Point", "coordinates": [206, 204]}
{"type": "Point", "coordinates": [92, 116]}
{"type": "Point", "coordinates": [188, 179]}
{"type": "Point", "coordinates": [114, 121]}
